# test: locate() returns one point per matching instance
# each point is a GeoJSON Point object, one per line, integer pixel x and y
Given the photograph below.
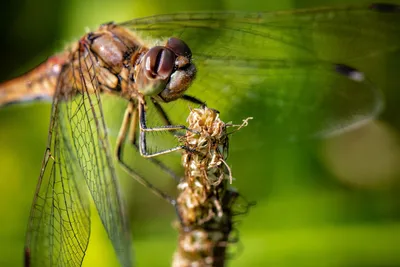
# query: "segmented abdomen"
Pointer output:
{"type": "Point", "coordinates": [37, 84]}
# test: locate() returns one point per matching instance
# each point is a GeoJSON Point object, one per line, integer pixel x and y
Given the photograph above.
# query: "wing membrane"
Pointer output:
{"type": "Point", "coordinates": [281, 90]}
{"type": "Point", "coordinates": [91, 144]}
{"type": "Point", "coordinates": [81, 158]}
{"type": "Point", "coordinates": [59, 227]}
{"type": "Point", "coordinates": [279, 62]}
{"type": "Point", "coordinates": [354, 31]}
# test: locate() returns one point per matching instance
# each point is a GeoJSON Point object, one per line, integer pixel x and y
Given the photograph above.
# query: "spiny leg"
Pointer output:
{"type": "Point", "coordinates": [147, 184]}
{"type": "Point", "coordinates": [194, 100]}
{"type": "Point", "coordinates": [165, 118]}
{"type": "Point", "coordinates": [122, 131]}
{"type": "Point", "coordinates": [164, 115]}
{"type": "Point", "coordinates": [133, 129]}
{"type": "Point", "coordinates": [144, 129]}
{"type": "Point", "coordinates": [129, 117]}
{"type": "Point", "coordinates": [197, 101]}
{"type": "Point", "coordinates": [168, 126]}
{"type": "Point", "coordinates": [133, 140]}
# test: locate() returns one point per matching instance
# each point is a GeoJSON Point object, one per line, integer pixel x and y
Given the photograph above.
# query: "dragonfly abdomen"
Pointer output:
{"type": "Point", "coordinates": [37, 84]}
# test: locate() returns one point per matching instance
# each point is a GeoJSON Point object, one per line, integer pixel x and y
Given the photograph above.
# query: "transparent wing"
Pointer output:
{"type": "Point", "coordinates": [337, 102]}
{"type": "Point", "coordinates": [91, 144]}
{"type": "Point", "coordinates": [59, 224]}
{"type": "Point", "coordinates": [354, 31]}
{"type": "Point", "coordinates": [278, 62]}
{"type": "Point", "coordinates": [85, 140]}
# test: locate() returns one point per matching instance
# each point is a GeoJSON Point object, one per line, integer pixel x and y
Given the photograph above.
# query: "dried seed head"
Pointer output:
{"type": "Point", "coordinates": [204, 201]}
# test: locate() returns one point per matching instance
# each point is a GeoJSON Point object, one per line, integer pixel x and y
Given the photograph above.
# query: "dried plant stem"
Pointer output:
{"type": "Point", "coordinates": [205, 201]}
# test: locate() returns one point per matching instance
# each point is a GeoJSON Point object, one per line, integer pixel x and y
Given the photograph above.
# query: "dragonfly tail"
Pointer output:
{"type": "Point", "coordinates": [37, 84]}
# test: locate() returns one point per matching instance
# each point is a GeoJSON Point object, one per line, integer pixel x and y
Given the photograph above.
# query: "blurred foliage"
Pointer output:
{"type": "Point", "coordinates": [305, 216]}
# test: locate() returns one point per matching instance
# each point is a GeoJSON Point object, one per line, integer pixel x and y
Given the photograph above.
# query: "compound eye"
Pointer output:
{"type": "Point", "coordinates": [159, 63]}
{"type": "Point", "coordinates": [179, 47]}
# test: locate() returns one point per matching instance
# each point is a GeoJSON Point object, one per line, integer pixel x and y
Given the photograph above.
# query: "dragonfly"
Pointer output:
{"type": "Point", "coordinates": [281, 61]}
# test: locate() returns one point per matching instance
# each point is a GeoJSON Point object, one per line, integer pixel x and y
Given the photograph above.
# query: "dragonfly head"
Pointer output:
{"type": "Point", "coordinates": [166, 71]}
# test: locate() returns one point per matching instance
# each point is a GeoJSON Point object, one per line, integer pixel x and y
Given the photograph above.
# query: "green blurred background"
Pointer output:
{"type": "Point", "coordinates": [322, 203]}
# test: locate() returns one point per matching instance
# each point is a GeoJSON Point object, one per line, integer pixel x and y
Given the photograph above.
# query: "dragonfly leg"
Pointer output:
{"type": "Point", "coordinates": [133, 141]}
{"type": "Point", "coordinates": [123, 130]}
{"type": "Point", "coordinates": [147, 184]}
{"type": "Point", "coordinates": [129, 117]}
{"type": "Point", "coordinates": [165, 117]}
{"type": "Point", "coordinates": [194, 100]}
{"type": "Point", "coordinates": [144, 129]}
